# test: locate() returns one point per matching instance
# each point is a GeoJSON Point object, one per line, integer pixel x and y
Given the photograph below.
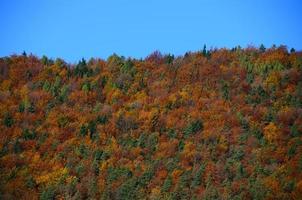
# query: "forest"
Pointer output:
{"type": "Point", "coordinates": [211, 124]}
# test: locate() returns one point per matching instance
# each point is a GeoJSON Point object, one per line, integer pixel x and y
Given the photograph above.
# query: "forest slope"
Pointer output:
{"type": "Point", "coordinates": [218, 124]}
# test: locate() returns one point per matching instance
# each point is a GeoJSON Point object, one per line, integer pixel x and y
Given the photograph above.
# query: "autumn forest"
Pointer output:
{"type": "Point", "coordinates": [211, 124]}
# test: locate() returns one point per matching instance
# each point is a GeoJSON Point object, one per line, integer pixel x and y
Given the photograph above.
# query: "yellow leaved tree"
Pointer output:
{"type": "Point", "coordinates": [271, 132]}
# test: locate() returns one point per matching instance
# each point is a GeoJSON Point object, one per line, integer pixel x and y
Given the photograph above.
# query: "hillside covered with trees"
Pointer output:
{"type": "Point", "coordinates": [213, 124]}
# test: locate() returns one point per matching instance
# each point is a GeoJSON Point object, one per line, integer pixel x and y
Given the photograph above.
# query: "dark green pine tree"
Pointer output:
{"type": "Point", "coordinates": [204, 51]}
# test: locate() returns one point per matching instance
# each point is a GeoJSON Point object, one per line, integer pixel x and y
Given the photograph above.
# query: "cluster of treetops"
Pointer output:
{"type": "Point", "coordinates": [212, 124]}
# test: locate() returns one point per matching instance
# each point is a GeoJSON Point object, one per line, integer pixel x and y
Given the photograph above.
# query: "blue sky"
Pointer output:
{"type": "Point", "coordinates": [72, 29]}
